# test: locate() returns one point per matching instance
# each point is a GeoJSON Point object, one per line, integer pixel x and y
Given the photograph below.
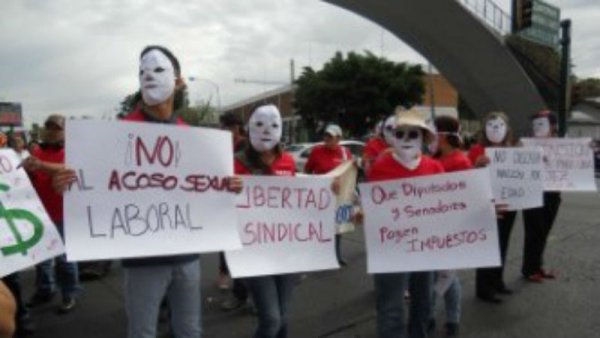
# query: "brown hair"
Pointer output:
{"type": "Point", "coordinates": [509, 139]}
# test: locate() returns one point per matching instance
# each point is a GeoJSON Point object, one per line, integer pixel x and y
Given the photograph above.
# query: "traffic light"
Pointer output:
{"type": "Point", "coordinates": [524, 14]}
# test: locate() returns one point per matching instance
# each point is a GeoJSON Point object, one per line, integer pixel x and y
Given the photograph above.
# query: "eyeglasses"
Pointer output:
{"type": "Point", "coordinates": [411, 134]}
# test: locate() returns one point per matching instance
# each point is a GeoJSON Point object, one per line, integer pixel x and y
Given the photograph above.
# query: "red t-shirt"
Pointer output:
{"type": "Point", "coordinates": [387, 168]}
{"type": "Point", "coordinates": [323, 159]}
{"type": "Point", "coordinates": [42, 182]}
{"type": "Point", "coordinates": [475, 152]}
{"type": "Point", "coordinates": [373, 148]}
{"type": "Point", "coordinates": [455, 161]}
{"type": "Point", "coordinates": [283, 165]}
{"type": "Point", "coordinates": [138, 116]}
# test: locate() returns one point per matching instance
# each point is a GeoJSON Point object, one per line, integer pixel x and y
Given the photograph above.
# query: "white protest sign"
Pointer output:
{"type": "Point", "coordinates": [568, 163]}
{"type": "Point", "coordinates": [286, 225]}
{"type": "Point", "coordinates": [27, 235]}
{"type": "Point", "coordinates": [436, 222]}
{"type": "Point", "coordinates": [516, 176]}
{"type": "Point", "coordinates": [148, 189]}
{"type": "Point", "coordinates": [346, 174]}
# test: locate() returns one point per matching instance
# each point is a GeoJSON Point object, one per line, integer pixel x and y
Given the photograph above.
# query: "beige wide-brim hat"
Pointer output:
{"type": "Point", "coordinates": [413, 118]}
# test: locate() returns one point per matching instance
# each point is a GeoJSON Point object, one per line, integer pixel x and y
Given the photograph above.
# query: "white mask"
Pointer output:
{"type": "Point", "coordinates": [495, 130]}
{"type": "Point", "coordinates": [541, 127]}
{"type": "Point", "coordinates": [388, 130]}
{"type": "Point", "coordinates": [264, 128]}
{"type": "Point", "coordinates": [157, 77]}
{"type": "Point", "coordinates": [407, 147]}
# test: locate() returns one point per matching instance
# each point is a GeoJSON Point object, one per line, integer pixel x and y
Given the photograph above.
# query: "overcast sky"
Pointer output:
{"type": "Point", "coordinates": [80, 57]}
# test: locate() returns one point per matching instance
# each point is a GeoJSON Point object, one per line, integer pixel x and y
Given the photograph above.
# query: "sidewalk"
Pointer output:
{"type": "Point", "coordinates": [340, 304]}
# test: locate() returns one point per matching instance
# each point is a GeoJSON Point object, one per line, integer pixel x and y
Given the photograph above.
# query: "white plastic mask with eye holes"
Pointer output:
{"type": "Point", "coordinates": [541, 127]}
{"type": "Point", "coordinates": [264, 128]}
{"type": "Point", "coordinates": [495, 130]}
{"type": "Point", "coordinates": [408, 142]}
{"type": "Point", "coordinates": [388, 130]}
{"type": "Point", "coordinates": [157, 77]}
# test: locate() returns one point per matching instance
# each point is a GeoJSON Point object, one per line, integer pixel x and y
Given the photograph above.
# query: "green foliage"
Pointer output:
{"type": "Point", "coordinates": [586, 88]}
{"type": "Point", "coordinates": [356, 91]}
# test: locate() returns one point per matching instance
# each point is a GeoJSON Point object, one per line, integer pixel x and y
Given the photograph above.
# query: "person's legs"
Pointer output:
{"type": "Point", "coordinates": [22, 318]}
{"type": "Point", "coordinates": [266, 299]}
{"type": "Point", "coordinates": [505, 225]}
{"type": "Point", "coordinates": [45, 283]}
{"type": "Point", "coordinates": [534, 220]}
{"type": "Point", "coordinates": [338, 250]}
{"type": "Point", "coordinates": [145, 287]}
{"type": "Point", "coordinates": [285, 285]}
{"type": "Point", "coordinates": [420, 286]}
{"type": "Point", "coordinates": [552, 202]}
{"type": "Point", "coordinates": [452, 299]}
{"type": "Point", "coordinates": [68, 277]}
{"type": "Point", "coordinates": [185, 300]}
{"type": "Point", "coordinates": [389, 292]}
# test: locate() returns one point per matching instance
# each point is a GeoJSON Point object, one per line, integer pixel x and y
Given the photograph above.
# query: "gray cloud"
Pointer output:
{"type": "Point", "coordinates": [80, 57]}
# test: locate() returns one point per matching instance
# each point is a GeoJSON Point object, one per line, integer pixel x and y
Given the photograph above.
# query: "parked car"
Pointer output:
{"type": "Point", "coordinates": [301, 151]}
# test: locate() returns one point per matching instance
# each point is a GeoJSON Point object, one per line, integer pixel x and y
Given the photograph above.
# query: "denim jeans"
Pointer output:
{"type": "Point", "coordinates": [146, 286]}
{"type": "Point", "coordinates": [271, 295]}
{"type": "Point", "coordinates": [389, 292]}
{"type": "Point", "coordinates": [452, 300]}
{"type": "Point", "coordinates": [67, 274]}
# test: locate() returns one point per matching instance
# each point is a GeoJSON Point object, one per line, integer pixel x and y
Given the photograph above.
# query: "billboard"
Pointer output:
{"type": "Point", "coordinates": [11, 114]}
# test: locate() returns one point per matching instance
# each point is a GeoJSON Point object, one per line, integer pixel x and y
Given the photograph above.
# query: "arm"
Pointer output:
{"type": "Point", "coordinates": [7, 312]}
{"type": "Point", "coordinates": [32, 163]}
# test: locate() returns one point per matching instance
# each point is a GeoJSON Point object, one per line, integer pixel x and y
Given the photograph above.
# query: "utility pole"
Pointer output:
{"type": "Point", "coordinates": [565, 73]}
{"type": "Point", "coordinates": [431, 92]}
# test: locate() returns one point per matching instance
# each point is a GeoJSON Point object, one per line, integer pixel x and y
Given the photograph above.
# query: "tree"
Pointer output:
{"type": "Point", "coordinates": [356, 91]}
{"type": "Point", "coordinates": [585, 88]}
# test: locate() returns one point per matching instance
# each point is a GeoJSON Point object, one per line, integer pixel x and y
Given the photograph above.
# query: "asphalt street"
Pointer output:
{"type": "Point", "coordinates": [338, 304]}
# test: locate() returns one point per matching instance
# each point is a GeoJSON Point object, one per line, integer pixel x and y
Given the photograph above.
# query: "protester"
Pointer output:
{"type": "Point", "coordinates": [448, 151]}
{"type": "Point", "coordinates": [17, 143]}
{"type": "Point", "coordinates": [43, 163]}
{"type": "Point", "coordinates": [7, 312]}
{"type": "Point", "coordinates": [497, 133]}
{"type": "Point", "coordinates": [24, 324]}
{"type": "Point", "coordinates": [539, 221]}
{"type": "Point", "coordinates": [239, 293]}
{"type": "Point", "coordinates": [3, 140]}
{"type": "Point", "coordinates": [148, 280]}
{"type": "Point", "coordinates": [326, 157]}
{"type": "Point", "coordinates": [264, 156]}
{"type": "Point", "coordinates": [375, 145]}
{"type": "Point", "coordinates": [410, 134]}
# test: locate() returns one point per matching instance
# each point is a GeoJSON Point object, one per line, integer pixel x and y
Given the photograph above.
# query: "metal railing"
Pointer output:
{"type": "Point", "coordinates": [491, 13]}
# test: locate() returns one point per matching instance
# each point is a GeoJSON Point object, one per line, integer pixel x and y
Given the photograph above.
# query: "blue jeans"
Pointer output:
{"type": "Point", "coordinates": [452, 299]}
{"type": "Point", "coordinates": [389, 292]}
{"type": "Point", "coordinates": [271, 295]}
{"type": "Point", "coordinates": [146, 286]}
{"type": "Point", "coordinates": [67, 274]}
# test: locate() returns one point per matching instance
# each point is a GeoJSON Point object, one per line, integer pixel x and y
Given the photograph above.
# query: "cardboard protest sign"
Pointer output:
{"type": "Point", "coordinates": [286, 225]}
{"type": "Point", "coordinates": [437, 222]}
{"type": "Point", "coordinates": [148, 190]}
{"type": "Point", "coordinates": [568, 163]}
{"type": "Point", "coordinates": [27, 235]}
{"type": "Point", "coordinates": [516, 176]}
{"type": "Point", "coordinates": [346, 173]}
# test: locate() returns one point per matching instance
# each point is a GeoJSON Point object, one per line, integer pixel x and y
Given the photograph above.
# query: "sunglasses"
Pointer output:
{"type": "Point", "coordinates": [410, 134]}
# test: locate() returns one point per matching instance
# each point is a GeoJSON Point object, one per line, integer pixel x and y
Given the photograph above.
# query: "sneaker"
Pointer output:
{"type": "Point", "coordinates": [548, 274]}
{"type": "Point", "coordinates": [67, 305]}
{"type": "Point", "coordinates": [40, 298]}
{"type": "Point", "coordinates": [223, 282]}
{"type": "Point", "coordinates": [451, 329]}
{"type": "Point", "coordinates": [232, 303]}
{"type": "Point", "coordinates": [535, 278]}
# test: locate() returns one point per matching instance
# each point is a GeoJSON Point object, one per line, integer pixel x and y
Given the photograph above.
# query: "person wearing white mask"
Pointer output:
{"type": "Point", "coordinates": [539, 221]}
{"type": "Point", "coordinates": [489, 282]}
{"type": "Point", "coordinates": [265, 156]}
{"type": "Point", "coordinates": [149, 280]}
{"type": "Point", "coordinates": [410, 134]}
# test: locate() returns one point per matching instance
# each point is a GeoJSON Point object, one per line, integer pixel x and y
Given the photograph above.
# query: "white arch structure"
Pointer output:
{"type": "Point", "coordinates": [470, 54]}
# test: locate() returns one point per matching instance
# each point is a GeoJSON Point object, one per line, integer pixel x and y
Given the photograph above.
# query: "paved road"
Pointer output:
{"type": "Point", "coordinates": [340, 304]}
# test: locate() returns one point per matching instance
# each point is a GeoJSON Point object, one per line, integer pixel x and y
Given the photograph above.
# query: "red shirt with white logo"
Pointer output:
{"type": "Point", "coordinates": [455, 161]}
{"type": "Point", "coordinates": [283, 165]}
{"type": "Point", "coordinates": [388, 168]}
{"type": "Point", "coordinates": [42, 182]}
{"type": "Point", "coordinates": [323, 159]}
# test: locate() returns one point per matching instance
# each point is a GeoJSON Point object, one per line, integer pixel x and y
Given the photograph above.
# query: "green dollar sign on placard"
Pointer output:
{"type": "Point", "coordinates": [10, 215]}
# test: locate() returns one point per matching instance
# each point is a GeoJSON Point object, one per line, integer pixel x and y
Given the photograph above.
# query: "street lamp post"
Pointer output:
{"type": "Point", "coordinates": [212, 83]}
